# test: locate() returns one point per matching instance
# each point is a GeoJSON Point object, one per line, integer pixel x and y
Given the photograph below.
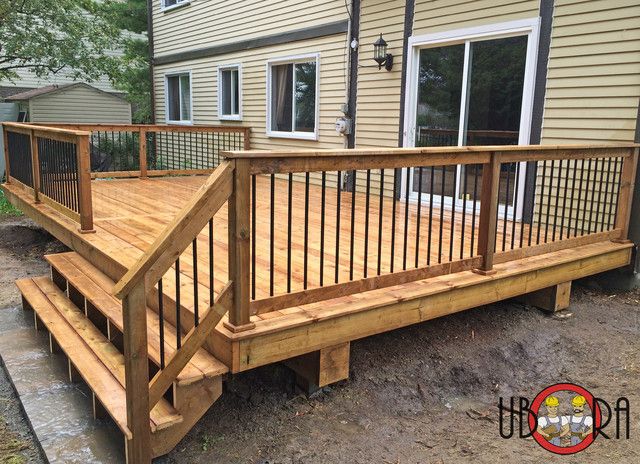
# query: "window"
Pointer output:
{"type": "Point", "coordinates": [229, 92]}
{"type": "Point", "coordinates": [292, 103]}
{"type": "Point", "coordinates": [167, 4]}
{"type": "Point", "coordinates": [178, 95]}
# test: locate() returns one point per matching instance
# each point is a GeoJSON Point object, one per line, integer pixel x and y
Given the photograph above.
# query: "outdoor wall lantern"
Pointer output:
{"type": "Point", "coordinates": [380, 54]}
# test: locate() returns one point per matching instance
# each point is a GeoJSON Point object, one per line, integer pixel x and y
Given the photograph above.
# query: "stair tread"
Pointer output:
{"type": "Point", "coordinates": [96, 287]}
{"type": "Point", "coordinates": [97, 361]}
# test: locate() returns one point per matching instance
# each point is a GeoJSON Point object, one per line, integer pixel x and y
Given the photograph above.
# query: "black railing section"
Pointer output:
{"type": "Point", "coordinates": [114, 151]}
{"type": "Point", "coordinates": [59, 176]}
{"type": "Point", "coordinates": [573, 198]}
{"type": "Point", "coordinates": [20, 161]}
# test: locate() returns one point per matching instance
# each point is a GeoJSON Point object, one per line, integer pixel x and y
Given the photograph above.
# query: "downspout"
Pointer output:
{"type": "Point", "coordinates": [352, 86]}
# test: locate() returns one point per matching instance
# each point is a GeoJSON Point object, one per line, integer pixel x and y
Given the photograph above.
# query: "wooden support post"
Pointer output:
{"type": "Point", "coordinates": [84, 184]}
{"type": "Point", "coordinates": [7, 166]}
{"type": "Point", "coordinates": [488, 214]}
{"type": "Point", "coordinates": [320, 368]}
{"type": "Point", "coordinates": [35, 167]}
{"type": "Point", "coordinates": [239, 251]}
{"type": "Point", "coordinates": [137, 374]}
{"type": "Point", "coordinates": [143, 153]}
{"type": "Point", "coordinates": [553, 299]}
{"type": "Point", "coordinates": [625, 198]}
{"type": "Point", "coordinates": [99, 411]}
{"type": "Point", "coordinates": [247, 139]}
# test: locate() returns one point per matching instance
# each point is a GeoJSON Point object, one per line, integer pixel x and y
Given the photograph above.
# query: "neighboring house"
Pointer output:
{"type": "Point", "coordinates": [72, 103]}
{"type": "Point", "coordinates": [464, 72]}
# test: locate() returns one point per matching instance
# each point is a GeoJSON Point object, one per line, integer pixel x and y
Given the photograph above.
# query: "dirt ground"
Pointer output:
{"type": "Point", "coordinates": [424, 394]}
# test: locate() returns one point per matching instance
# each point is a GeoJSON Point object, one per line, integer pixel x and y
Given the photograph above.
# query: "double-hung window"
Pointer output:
{"type": "Point", "coordinates": [292, 97]}
{"type": "Point", "coordinates": [230, 92]}
{"type": "Point", "coordinates": [167, 4]}
{"type": "Point", "coordinates": [178, 96]}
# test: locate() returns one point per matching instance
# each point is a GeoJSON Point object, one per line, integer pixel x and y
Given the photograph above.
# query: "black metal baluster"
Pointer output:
{"type": "Point", "coordinates": [161, 322]}
{"type": "Point", "coordinates": [306, 231]}
{"type": "Point", "coordinates": [506, 208]}
{"type": "Point", "coordinates": [396, 173]}
{"type": "Point", "coordinates": [419, 206]}
{"type": "Point", "coordinates": [254, 237]}
{"type": "Point", "coordinates": [366, 221]}
{"type": "Point", "coordinates": [453, 213]}
{"type": "Point", "coordinates": [514, 214]}
{"type": "Point", "coordinates": [542, 185]}
{"type": "Point", "coordinates": [406, 220]}
{"type": "Point", "coordinates": [178, 329]}
{"type": "Point", "coordinates": [353, 223]}
{"type": "Point", "coordinates": [289, 226]}
{"type": "Point", "coordinates": [196, 309]}
{"type": "Point", "coordinates": [557, 205]}
{"type": "Point", "coordinates": [606, 196]}
{"type": "Point", "coordinates": [429, 232]}
{"type": "Point", "coordinates": [442, 189]}
{"type": "Point", "coordinates": [464, 171]}
{"type": "Point", "coordinates": [615, 181]}
{"type": "Point", "coordinates": [475, 207]}
{"type": "Point", "coordinates": [338, 201]}
{"type": "Point", "coordinates": [593, 192]}
{"type": "Point", "coordinates": [581, 192]}
{"type": "Point", "coordinates": [598, 213]}
{"type": "Point", "coordinates": [573, 195]}
{"type": "Point", "coordinates": [323, 203]}
{"type": "Point", "coordinates": [546, 229]}
{"type": "Point", "coordinates": [272, 263]}
{"type": "Point", "coordinates": [380, 219]}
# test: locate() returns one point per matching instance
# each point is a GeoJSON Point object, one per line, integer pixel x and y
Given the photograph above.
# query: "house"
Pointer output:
{"type": "Point", "coordinates": [72, 103]}
{"type": "Point", "coordinates": [460, 73]}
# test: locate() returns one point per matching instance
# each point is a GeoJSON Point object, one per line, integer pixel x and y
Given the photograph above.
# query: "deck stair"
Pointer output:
{"type": "Point", "coordinates": [84, 321]}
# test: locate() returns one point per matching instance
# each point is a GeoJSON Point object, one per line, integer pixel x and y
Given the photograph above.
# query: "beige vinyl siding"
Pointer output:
{"type": "Point", "coordinates": [593, 81]}
{"type": "Point", "coordinates": [378, 101]}
{"type": "Point", "coordinates": [204, 86]}
{"type": "Point", "coordinates": [445, 15]}
{"type": "Point", "coordinates": [80, 105]}
{"type": "Point", "coordinates": [205, 23]}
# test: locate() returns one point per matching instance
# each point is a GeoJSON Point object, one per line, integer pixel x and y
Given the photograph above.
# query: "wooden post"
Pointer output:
{"type": "Point", "coordinates": [35, 166]}
{"type": "Point", "coordinates": [625, 198]}
{"type": "Point", "coordinates": [555, 298]}
{"type": "Point", "coordinates": [488, 214]}
{"type": "Point", "coordinates": [5, 137]}
{"type": "Point", "coordinates": [136, 364]}
{"type": "Point", "coordinates": [84, 184]}
{"type": "Point", "coordinates": [143, 153]}
{"type": "Point", "coordinates": [239, 250]}
{"type": "Point", "coordinates": [247, 139]}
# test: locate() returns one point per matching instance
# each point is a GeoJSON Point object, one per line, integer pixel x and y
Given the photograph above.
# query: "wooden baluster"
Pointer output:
{"type": "Point", "coordinates": [7, 169]}
{"type": "Point", "coordinates": [35, 166]}
{"type": "Point", "coordinates": [84, 184]}
{"type": "Point", "coordinates": [136, 374]}
{"type": "Point", "coordinates": [239, 251]}
{"type": "Point", "coordinates": [488, 214]}
{"type": "Point", "coordinates": [143, 153]}
{"type": "Point", "coordinates": [625, 198]}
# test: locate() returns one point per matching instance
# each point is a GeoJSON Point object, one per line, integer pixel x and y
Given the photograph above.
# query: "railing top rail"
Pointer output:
{"type": "Point", "coordinates": [43, 129]}
{"type": "Point", "coordinates": [149, 127]}
{"type": "Point", "coordinates": [306, 153]}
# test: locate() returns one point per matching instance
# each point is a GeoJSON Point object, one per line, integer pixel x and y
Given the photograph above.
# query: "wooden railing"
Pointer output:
{"type": "Point", "coordinates": [54, 165]}
{"type": "Point", "coordinates": [135, 150]}
{"type": "Point", "coordinates": [329, 242]}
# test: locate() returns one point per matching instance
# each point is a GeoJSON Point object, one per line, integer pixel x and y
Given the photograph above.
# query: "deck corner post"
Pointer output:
{"type": "Point", "coordinates": [5, 138]}
{"type": "Point", "coordinates": [247, 139]}
{"type": "Point", "coordinates": [239, 248]}
{"type": "Point", "coordinates": [35, 166]}
{"type": "Point", "coordinates": [136, 374]}
{"type": "Point", "coordinates": [142, 144]}
{"type": "Point", "coordinates": [488, 213]}
{"type": "Point", "coordinates": [84, 183]}
{"type": "Point", "coordinates": [625, 197]}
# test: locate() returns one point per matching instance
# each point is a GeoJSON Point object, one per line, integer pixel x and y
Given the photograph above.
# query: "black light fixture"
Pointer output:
{"type": "Point", "coordinates": [380, 54]}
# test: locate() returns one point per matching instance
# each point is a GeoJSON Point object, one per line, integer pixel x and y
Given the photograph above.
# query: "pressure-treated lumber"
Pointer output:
{"type": "Point", "coordinates": [625, 197]}
{"type": "Point", "coordinates": [488, 214]}
{"type": "Point", "coordinates": [320, 368]}
{"type": "Point", "coordinates": [554, 298]}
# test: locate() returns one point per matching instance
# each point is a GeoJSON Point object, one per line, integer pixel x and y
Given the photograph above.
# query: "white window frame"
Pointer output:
{"type": "Point", "coordinates": [292, 60]}
{"type": "Point", "coordinates": [529, 27]}
{"type": "Point", "coordinates": [179, 3]}
{"type": "Point", "coordinates": [166, 97]}
{"type": "Point", "coordinates": [221, 115]}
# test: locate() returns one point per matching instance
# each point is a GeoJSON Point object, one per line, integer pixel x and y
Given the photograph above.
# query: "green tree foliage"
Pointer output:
{"type": "Point", "coordinates": [132, 74]}
{"type": "Point", "coordinates": [46, 37]}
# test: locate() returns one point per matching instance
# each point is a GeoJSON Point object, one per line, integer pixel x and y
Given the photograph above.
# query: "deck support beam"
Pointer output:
{"type": "Point", "coordinates": [555, 298]}
{"type": "Point", "coordinates": [321, 368]}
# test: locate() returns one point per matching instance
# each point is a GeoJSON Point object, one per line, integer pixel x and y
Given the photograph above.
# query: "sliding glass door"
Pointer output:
{"type": "Point", "coordinates": [471, 91]}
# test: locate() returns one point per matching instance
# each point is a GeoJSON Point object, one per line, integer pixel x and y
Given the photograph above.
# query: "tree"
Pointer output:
{"type": "Point", "coordinates": [132, 73]}
{"type": "Point", "coordinates": [47, 37]}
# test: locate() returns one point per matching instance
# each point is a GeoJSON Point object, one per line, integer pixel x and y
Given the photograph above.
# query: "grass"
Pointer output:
{"type": "Point", "coordinates": [6, 208]}
{"type": "Point", "coordinates": [11, 446]}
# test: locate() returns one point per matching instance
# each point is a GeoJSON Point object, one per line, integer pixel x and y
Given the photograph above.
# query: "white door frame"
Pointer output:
{"type": "Point", "coordinates": [529, 27]}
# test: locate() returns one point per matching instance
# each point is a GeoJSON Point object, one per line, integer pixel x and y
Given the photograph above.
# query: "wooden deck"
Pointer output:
{"type": "Point", "coordinates": [129, 214]}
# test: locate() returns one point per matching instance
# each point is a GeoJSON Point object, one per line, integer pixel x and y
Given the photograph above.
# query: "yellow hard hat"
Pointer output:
{"type": "Point", "coordinates": [578, 401]}
{"type": "Point", "coordinates": [551, 401]}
